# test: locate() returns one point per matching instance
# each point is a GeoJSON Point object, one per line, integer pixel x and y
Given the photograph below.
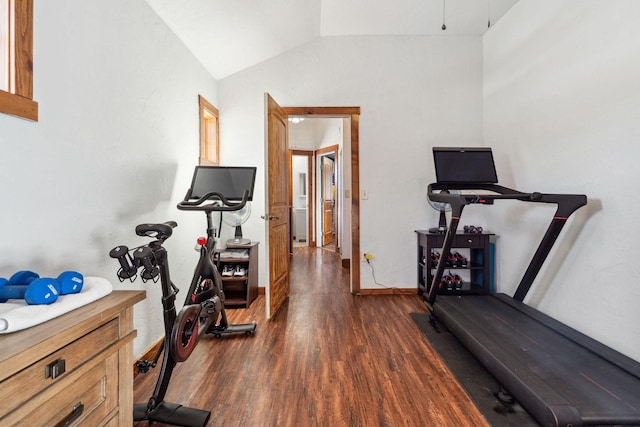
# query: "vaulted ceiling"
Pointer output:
{"type": "Point", "coordinates": [230, 35]}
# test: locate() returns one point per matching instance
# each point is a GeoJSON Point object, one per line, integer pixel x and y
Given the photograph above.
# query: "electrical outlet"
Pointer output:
{"type": "Point", "coordinates": [365, 194]}
{"type": "Point", "coordinates": [368, 256]}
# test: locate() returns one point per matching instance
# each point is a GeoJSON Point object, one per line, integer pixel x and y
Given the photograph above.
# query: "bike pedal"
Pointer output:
{"type": "Point", "coordinates": [144, 366]}
{"type": "Point", "coordinates": [212, 305]}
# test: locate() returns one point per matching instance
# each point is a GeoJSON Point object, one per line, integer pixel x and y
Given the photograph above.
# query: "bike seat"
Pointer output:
{"type": "Point", "coordinates": [161, 231]}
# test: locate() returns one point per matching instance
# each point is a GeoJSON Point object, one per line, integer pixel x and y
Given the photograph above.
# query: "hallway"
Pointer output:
{"type": "Point", "coordinates": [328, 358]}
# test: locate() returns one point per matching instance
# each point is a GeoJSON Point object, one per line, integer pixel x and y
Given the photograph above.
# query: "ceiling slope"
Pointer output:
{"type": "Point", "coordinates": [230, 35]}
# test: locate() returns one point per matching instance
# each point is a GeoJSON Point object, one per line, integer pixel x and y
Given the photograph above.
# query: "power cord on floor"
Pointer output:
{"type": "Point", "coordinates": [368, 258]}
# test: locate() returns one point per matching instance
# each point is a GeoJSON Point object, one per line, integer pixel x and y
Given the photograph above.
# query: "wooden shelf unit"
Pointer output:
{"type": "Point", "coordinates": [477, 275]}
{"type": "Point", "coordinates": [240, 291]}
{"type": "Point", "coordinates": [77, 365]}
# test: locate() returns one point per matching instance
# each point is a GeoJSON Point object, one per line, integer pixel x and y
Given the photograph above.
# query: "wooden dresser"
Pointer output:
{"type": "Point", "coordinates": [76, 367]}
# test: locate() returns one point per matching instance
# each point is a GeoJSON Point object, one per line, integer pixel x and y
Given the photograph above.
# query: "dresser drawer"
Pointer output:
{"type": "Point", "coordinates": [459, 240]}
{"type": "Point", "coordinates": [90, 387]}
{"type": "Point", "coordinates": [21, 387]}
{"type": "Point", "coordinates": [468, 241]}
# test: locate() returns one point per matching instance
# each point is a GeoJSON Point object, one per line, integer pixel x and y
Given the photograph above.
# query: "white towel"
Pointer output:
{"type": "Point", "coordinates": [17, 314]}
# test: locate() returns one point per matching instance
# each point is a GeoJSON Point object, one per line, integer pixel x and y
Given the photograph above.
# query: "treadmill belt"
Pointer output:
{"type": "Point", "coordinates": [558, 380]}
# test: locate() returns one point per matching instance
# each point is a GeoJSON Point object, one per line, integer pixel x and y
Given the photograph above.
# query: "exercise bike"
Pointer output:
{"type": "Point", "coordinates": [203, 310]}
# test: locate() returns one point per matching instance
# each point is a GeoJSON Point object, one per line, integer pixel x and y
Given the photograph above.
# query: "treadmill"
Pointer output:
{"type": "Point", "coordinates": [560, 376]}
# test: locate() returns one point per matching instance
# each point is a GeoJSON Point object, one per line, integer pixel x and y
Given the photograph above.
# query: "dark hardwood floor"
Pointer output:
{"type": "Point", "coordinates": [327, 358]}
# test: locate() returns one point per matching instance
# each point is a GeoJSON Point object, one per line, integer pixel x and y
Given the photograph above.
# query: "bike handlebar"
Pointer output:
{"type": "Point", "coordinates": [216, 198]}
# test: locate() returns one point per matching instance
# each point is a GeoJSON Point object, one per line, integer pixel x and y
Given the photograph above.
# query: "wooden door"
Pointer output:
{"type": "Point", "coordinates": [327, 201]}
{"type": "Point", "coordinates": [277, 206]}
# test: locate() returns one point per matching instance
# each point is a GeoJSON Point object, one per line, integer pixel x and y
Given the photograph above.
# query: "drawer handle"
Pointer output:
{"type": "Point", "coordinates": [54, 369]}
{"type": "Point", "coordinates": [74, 415]}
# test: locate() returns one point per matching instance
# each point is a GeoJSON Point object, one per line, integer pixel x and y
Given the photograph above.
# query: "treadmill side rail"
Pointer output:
{"type": "Point", "coordinates": [567, 204]}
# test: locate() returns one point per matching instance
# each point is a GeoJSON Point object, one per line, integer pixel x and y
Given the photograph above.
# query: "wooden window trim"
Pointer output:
{"type": "Point", "coordinates": [18, 101]}
{"type": "Point", "coordinates": [206, 108]}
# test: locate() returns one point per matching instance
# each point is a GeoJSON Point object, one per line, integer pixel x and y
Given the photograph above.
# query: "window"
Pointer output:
{"type": "Point", "coordinates": [4, 45]}
{"type": "Point", "coordinates": [16, 59]}
{"type": "Point", "coordinates": [209, 150]}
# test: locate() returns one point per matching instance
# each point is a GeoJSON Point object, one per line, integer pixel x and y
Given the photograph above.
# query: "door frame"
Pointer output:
{"type": "Point", "coordinates": [353, 113]}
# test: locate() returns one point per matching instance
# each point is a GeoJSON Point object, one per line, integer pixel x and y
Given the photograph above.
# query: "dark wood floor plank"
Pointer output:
{"type": "Point", "coordinates": [327, 358]}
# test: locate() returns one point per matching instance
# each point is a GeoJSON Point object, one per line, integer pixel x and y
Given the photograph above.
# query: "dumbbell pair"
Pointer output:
{"type": "Point", "coordinates": [142, 256]}
{"type": "Point", "coordinates": [472, 229]}
{"type": "Point", "coordinates": [35, 290]}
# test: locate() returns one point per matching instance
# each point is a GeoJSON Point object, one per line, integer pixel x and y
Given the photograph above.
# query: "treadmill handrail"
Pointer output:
{"type": "Point", "coordinates": [566, 205]}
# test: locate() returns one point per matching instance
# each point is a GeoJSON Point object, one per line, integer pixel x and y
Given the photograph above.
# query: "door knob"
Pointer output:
{"type": "Point", "coordinates": [269, 217]}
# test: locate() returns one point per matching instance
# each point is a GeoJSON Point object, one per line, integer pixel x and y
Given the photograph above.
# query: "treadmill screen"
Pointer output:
{"type": "Point", "coordinates": [228, 181]}
{"type": "Point", "coordinates": [471, 165]}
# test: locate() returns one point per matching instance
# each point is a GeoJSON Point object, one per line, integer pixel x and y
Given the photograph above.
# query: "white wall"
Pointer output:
{"type": "Point", "coordinates": [115, 146]}
{"type": "Point", "coordinates": [414, 93]}
{"type": "Point", "coordinates": [562, 113]}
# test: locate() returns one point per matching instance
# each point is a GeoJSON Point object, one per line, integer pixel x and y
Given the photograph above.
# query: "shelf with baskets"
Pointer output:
{"type": "Point", "coordinates": [238, 267]}
{"type": "Point", "coordinates": [468, 269]}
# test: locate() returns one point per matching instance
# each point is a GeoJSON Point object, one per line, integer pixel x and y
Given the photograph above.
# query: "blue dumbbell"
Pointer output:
{"type": "Point", "coordinates": [23, 277]}
{"type": "Point", "coordinates": [9, 291]}
{"type": "Point", "coordinates": [70, 282]}
{"type": "Point", "coordinates": [15, 287]}
{"type": "Point", "coordinates": [29, 286]}
{"type": "Point", "coordinates": [41, 291]}
{"type": "Point", "coordinates": [3, 282]}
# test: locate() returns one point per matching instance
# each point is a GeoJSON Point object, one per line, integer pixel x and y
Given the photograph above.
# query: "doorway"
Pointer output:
{"type": "Point", "coordinates": [316, 212]}
{"type": "Point", "coordinates": [347, 197]}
